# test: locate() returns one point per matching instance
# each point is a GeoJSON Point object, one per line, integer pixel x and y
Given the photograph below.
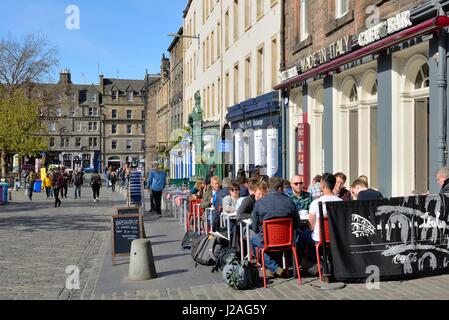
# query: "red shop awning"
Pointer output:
{"type": "Point", "coordinates": [420, 29]}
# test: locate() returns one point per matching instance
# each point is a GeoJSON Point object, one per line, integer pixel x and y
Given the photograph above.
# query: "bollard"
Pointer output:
{"type": "Point", "coordinates": [141, 263]}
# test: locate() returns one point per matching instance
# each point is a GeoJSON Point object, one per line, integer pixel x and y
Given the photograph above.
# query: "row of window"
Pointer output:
{"type": "Point", "coordinates": [129, 145]}
{"type": "Point", "coordinates": [92, 126]}
{"type": "Point", "coordinates": [128, 128]}
{"type": "Point", "coordinates": [208, 6]}
{"type": "Point", "coordinates": [129, 114]}
{"type": "Point", "coordinates": [92, 97]}
{"type": "Point", "coordinates": [93, 143]}
{"type": "Point", "coordinates": [115, 95]}
{"type": "Point", "coordinates": [341, 9]}
{"type": "Point", "coordinates": [65, 142]}
{"type": "Point", "coordinates": [92, 112]}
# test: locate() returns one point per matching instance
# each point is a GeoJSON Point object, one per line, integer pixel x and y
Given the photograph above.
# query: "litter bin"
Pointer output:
{"type": "Point", "coordinates": [37, 185]}
{"type": "Point", "coordinates": [3, 192]}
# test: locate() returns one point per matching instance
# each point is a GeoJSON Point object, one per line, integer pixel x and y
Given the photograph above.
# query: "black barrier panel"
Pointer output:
{"type": "Point", "coordinates": [396, 238]}
{"type": "Point", "coordinates": [125, 229]}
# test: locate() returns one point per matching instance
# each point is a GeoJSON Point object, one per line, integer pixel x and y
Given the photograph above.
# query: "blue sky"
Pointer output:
{"type": "Point", "coordinates": [124, 37]}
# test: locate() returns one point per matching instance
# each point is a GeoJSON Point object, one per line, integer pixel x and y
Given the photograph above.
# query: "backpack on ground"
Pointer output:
{"type": "Point", "coordinates": [188, 239]}
{"type": "Point", "coordinates": [225, 254]}
{"type": "Point", "coordinates": [240, 275]}
{"type": "Point", "coordinates": [205, 250]}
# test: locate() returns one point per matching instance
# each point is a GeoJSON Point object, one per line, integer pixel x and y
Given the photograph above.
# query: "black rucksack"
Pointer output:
{"type": "Point", "coordinates": [225, 254]}
{"type": "Point", "coordinates": [188, 239]}
{"type": "Point", "coordinates": [205, 250]}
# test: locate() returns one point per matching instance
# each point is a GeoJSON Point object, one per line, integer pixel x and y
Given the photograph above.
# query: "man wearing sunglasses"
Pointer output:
{"type": "Point", "coordinates": [300, 198]}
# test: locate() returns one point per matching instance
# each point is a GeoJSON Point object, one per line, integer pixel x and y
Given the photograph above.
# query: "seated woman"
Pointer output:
{"type": "Point", "coordinates": [197, 191]}
{"type": "Point", "coordinates": [230, 202]}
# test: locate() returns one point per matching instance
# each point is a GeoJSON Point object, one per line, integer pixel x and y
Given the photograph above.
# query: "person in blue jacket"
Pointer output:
{"type": "Point", "coordinates": [155, 185]}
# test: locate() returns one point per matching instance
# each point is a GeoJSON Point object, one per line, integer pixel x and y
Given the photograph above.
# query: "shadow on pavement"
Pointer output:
{"type": "Point", "coordinates": [155, 243]}
{"type": "Point", "coordinates": [169, 256]}
{"type": "Point", "coordinates": [168, 273]}
{"type": "Point", "coordinates": [64, 222]}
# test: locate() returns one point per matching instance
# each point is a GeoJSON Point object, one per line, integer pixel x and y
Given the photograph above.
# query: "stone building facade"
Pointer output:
{"type": "Point", "coordinates": [71, 117]}
{"type": "Point", "coordinates": [124, 115]}
{"type": "Point", "coordinates": [163, 107]}
{"type": "Point", "coordinates": [176, 82]}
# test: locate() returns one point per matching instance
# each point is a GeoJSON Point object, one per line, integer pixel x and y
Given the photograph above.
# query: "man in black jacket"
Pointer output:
{"type": "Point", "coordinates": [274, 205]}
{"type": "Point", "coordinates": [442, 176]}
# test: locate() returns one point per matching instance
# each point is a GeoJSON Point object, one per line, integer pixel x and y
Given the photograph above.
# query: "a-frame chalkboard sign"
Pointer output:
{"type": "Point", "coordinates": [125, 229]}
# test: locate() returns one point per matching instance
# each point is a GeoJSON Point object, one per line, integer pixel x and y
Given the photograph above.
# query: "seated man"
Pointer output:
{"type": "Point", "coordinates": [362, 192]}
{"type": "Point", "coordinates": [274, 205]}
{"type": "Point", "coordinates": [300, 198]}
{"type": "Point", "coordinates": [210, 200]}
{"type": "Point", "coordinates": [312, 235]}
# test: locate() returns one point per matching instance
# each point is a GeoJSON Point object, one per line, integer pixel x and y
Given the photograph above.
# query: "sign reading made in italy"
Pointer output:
{"type": "Point", "coordinates": [326, 54]}
{"type": "Point", "coordinates": [385, 28]}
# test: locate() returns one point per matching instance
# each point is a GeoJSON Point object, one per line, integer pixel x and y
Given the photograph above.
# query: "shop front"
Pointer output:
{"type": "Point", "coordinates": [370, 103]}
{"type": "Point", "coordinates": [256, 135]}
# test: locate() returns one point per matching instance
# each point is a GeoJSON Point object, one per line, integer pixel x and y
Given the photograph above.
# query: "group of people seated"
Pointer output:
{"type": "Point", "coordinates": [262, 198]}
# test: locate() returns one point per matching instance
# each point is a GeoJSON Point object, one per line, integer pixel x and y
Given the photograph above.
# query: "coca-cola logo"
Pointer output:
{"type": "Point", "coordinates": [400, 258]}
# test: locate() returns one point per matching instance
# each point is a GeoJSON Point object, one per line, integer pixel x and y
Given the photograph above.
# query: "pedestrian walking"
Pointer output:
{"type": "Point", "coordinates": [31, 178]}
{"type": "Point", "coordinates": [65, 184]}
{"type": "Point", "coordinates": [95, 183]}
{"type": "Point", "coordinates": [48, 183]}
{"type": "Point", "coordinates": [156, 184]}
{"type": "Point", "coordinates": [113, 179]}
{"type": "Point", "coordinates": [58, 182]}
{"type": "Point", "coordinates": [77, 182]}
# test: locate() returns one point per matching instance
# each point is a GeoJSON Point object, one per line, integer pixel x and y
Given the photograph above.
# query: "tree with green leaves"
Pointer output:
{"type": "Point", "coordinates": [22, 61]}
{"type": "Point", "coordinates": [20, 127]}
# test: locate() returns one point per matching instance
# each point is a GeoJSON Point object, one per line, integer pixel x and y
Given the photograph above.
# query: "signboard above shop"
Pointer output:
{"type": "Point", "coordinates": [332, 51]}
{"type": "Point", "coordinates": [385, 28]}
{"type": "Point", "coordinates": [347, 44]}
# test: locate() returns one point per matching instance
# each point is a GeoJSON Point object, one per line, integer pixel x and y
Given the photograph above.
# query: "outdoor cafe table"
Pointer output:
{"type": "Point", "coordinates": [227, 216]}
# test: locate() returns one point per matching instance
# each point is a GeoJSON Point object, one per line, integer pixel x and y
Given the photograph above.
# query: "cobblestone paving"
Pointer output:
{"type": "Point", "coordinates": [39, 241]}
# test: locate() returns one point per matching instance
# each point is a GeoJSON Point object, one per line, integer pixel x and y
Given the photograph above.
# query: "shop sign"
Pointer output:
{"type": "Point", "coordinates": [251, 123]}
{"type": "Point", "coordinates": [331, 52]}
{"type": "Point", "coordinates": [385, 28]}
{"type": "Point", "coordinates": [290, 73]}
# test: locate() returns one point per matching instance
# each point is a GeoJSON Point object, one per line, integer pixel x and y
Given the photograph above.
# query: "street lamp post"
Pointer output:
{"type": "Point", "coordinates": [177, 35]}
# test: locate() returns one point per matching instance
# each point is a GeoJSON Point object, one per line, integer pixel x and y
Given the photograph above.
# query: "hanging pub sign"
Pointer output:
{"type": "Point", "coordinates": [385, 28]}
{"type": "Point", "coordinates": [302, 138]}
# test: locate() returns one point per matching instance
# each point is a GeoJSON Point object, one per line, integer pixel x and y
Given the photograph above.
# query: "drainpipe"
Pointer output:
{"type": "Point", "coordinates": [283, 94]}
{"type": "Point", "coordinates": [441, 85]}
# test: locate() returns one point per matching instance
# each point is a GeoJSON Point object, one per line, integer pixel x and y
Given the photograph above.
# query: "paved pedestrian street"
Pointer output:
{"type": "Point", "coordinates": [38, 242]}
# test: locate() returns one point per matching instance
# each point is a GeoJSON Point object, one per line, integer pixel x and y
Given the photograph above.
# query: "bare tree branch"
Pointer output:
{"type": "Point", "coordinates": [25, 60]}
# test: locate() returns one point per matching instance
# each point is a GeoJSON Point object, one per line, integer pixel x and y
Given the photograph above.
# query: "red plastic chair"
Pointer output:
{"type": "Point", "coordinates": [192, 213]}
{"type": "Point", "coordinates": [319, 244]}
{"type": "Point", "coordinates": [278, 236]}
